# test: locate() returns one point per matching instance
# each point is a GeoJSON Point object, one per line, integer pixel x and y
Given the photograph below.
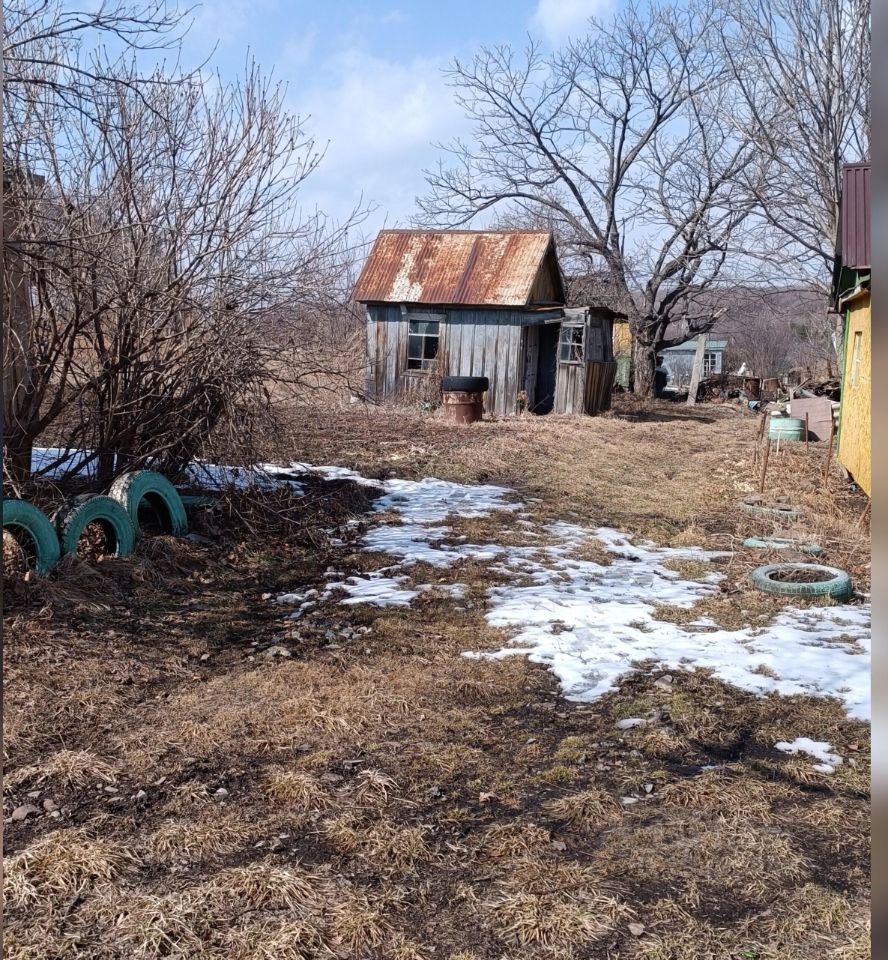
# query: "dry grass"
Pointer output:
{"type": "Point", "coordinates": [588, 809]}
{"type": "Point", "coordinates": [63, 864]}
{"type": "Point", "coordinates": [385, 797]}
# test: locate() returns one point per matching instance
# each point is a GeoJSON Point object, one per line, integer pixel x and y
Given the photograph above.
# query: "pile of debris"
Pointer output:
{"type": "Point", "coordinates": [724, 387]}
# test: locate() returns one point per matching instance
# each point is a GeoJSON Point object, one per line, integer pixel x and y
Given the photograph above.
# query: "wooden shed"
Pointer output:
{"type": "Point", "coordinates": [851, 296]}
{"type": "Point", "coordinates": [482, 304]}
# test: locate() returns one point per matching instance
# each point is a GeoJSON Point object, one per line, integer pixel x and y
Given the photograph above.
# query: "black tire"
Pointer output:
{"type": "Point", "coordinates": [147, 489]}
{"type": "Point", "coordinates": [837, 585]}
{"type": "Point", "coordinates": [76, 515]}
{"type": "Point", "coordinates": [24, 520]}
{"type": "Point", "coordinates": [782, 543]}
{"type": "Point", "coordinates": [465, 384]}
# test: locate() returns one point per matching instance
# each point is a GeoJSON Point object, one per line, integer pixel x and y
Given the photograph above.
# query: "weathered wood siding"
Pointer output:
{"type": "Point", "coordinates": [488, 343]}
{"type": "Point", "coordinates": [497, 344]}
{"type": "Point", "coordinates": [386, 349]}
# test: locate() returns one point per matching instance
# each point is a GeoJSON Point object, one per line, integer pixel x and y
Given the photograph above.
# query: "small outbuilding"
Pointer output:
{"type": "Point", "coordinates": [851, 297]}
{"type": "Point", "coordinates": [469, 303]}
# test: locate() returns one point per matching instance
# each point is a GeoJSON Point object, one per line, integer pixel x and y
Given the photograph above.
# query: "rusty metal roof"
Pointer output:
{"type": "Point", "coordinates": [469, 267]}
{"type": "Point", "coordinates": [854, 234]}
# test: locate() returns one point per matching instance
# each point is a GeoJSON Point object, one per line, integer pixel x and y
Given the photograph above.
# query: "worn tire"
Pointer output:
{"type": "Point", "coordinates": [465, 384]}
{"type": "Point", "coordinates": [771, 511]}
{"type": "Point", "coordinates": [77, 514]}
{"type": "Point", "coordinates": [838, 586]}
{"type": "Point", "coordinates": [131, 490]}
{"type": "Point", "coordinates": [24, 519]}
{"type": "Point", "coordinates": [782, 543]}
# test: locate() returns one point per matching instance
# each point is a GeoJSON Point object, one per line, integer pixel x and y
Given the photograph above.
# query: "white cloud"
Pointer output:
{"type": "Point", "coordinates": [559, 19]}
{"type": "Point", "coordinates": [380, 117]}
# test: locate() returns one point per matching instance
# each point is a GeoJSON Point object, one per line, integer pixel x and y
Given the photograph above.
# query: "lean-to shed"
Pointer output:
{"type": "Point", "coordinates": [851, 296]}
{"type": "Point", "coordinates": [482, 304]}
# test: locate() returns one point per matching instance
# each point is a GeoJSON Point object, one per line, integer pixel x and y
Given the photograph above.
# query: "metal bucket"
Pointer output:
{"type": "Point", "coordinates": [462, 406]}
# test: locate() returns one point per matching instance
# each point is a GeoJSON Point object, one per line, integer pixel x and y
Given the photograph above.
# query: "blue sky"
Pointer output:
{"type": "Point", "coordinates": [369, 76]}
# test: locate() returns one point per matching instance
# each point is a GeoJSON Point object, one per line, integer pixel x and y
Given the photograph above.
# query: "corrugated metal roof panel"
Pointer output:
{"type": "Point", "coordinates": [471, 267]}
{"type": "Point", "coordinates": [855, 216]}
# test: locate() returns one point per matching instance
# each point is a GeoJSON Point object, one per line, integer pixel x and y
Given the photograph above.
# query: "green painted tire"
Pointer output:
{"type": "Point", "coordinates": [835, 583]}
{"type": "Point", "coordinates": [23, 519]}
{"type": "Point", "coordinates": [782, 543]}
{"type": "Point", "coordinates": [148, 490]}
{"type": "Point", "coordinates": [77, 514]}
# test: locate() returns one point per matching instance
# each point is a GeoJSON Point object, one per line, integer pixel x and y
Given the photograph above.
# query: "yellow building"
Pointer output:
{"type": "Point", "coordinates": [851, 296]}
{"type": "Point", "coordinates": [623, 352]}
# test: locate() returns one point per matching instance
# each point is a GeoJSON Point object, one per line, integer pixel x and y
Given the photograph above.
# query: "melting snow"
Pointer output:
{"type": "Point", "coordinates": [377, 590]}
{"type": "Point", "coordinates": [592, 623]}
{"type": "Point", "coordinates": [819, 749]}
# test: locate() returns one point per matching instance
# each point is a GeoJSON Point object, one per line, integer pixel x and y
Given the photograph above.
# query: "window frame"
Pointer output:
{"type": "Point", "coordinates": [856, 350]}
{"type": "Point", "coordinates": [572, 344]}
{"type": "Point", "coordinates": [427, 365]}
{"type": "Point", "coordinates": [710, 362]}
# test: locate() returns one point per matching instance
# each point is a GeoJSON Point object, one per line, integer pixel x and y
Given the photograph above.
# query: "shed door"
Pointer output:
{"type": "Point", "coordinates": [545, 381]}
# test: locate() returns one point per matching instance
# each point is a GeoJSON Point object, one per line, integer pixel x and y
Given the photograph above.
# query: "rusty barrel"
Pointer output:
{"type": "Point", "coordinates": [464, 398]}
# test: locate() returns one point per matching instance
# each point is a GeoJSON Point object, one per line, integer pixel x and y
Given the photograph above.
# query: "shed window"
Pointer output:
{"type": "Point", "coordinates": [422, 344]}
{"type": "Point", "coordinates": [570, 346]}
{"type": "Point", "coordinates": [710, 364]}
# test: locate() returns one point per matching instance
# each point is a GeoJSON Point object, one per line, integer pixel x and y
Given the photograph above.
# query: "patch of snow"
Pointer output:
{"type": "Point", "coordinates": [629, 723]}
{"type": "Point", "coordinates": [59, 460]}
{"type": "Point", "coordinates": [376, 590]}
{"type": "Point", "coordinates": [818, 749]}
{"type": "Point", "coordinates": [608, 613]}
{"type": "Point", "coordinates": [431, 500]}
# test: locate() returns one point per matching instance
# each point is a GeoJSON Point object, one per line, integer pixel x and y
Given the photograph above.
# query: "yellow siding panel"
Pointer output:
{"type": "Point", "coordinates": [854, 437]}
{"type": "Point", "coordinates": [622, 338]}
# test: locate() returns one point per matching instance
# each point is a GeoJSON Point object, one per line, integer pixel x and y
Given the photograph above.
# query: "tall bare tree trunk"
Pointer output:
{"type": "Point", "coordinates": [645, 375]}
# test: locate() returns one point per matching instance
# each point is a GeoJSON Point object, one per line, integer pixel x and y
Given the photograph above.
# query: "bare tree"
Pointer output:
{"type": "Point", "coordinates": [617, 141]}
{"type": "Point", "coordinates": [171, 273]}
{"type": "Point", "coordinates": [802, 72]}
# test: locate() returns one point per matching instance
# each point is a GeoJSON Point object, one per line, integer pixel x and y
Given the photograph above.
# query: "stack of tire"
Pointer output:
{"type": "Point", "coordinates": [796, 579]}
{"type": "Point", "coordinates": [117, 515]}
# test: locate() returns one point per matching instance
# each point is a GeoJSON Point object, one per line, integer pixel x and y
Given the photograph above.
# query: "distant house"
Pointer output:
{"type": "Point", "coordinates": [851, 298]}
{"type": "Point", "coordinates": [482, 304]}
{"type": "Point", "coordinates": [678, 361]}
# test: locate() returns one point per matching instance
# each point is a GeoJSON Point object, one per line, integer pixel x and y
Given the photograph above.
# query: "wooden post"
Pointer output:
{"type": "Point", "coordinates": [807, 432]}
{"type": "Point", "coordinates": [832, 433]}
{"type": "Point", "coordinates": [765, 465]}
{"type": "Point", "coordinates": [758, 440]}
{"type": "Point", "coordinates": [697, 372]}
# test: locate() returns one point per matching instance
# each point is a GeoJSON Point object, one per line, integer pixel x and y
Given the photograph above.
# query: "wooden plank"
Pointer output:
{"type": "Point", "coordinates": [697, 372]}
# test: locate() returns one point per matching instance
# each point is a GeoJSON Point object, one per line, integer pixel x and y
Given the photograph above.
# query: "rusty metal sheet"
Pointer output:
{"type": "Point", "coordinates": [820, 415]}
{"type": "Point", "coordinates": [470, 267]}
{"type": "Point", "coordinates": [855, 216]}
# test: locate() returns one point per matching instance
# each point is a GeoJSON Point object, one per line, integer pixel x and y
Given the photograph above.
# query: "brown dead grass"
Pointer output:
{"type": "Point", "coordinates": [389, 798]}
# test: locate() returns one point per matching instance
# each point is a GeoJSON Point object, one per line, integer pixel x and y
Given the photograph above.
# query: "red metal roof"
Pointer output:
{"type": "Point", "coordinates": [855, 216]}
{"type": "Point", "coordinates": [480, 268]}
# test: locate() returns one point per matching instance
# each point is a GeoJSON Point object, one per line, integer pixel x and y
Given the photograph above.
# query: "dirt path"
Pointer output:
{"type": "Point", "coordinates": [232, 782]}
